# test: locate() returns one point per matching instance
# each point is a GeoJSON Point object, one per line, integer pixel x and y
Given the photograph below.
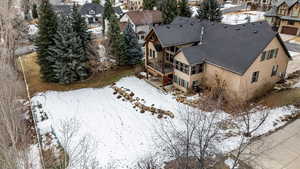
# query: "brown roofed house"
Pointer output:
{"type": "Point", "coordinates": [142, 21]}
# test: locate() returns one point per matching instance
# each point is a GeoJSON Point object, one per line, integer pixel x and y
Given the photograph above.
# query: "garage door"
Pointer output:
{"type": "Point", "coordinates": [289, 30]}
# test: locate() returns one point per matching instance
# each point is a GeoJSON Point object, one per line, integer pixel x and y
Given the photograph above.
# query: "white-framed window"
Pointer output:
{"type": "Point", "coordinates": [92, 12]}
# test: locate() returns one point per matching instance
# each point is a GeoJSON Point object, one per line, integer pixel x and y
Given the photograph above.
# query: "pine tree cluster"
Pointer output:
{"type": "Point", "coordinates": [149, 4]}
{"type": "Point", "coordinates": [62, 45]}
{"type": "Point", "coordinates": [124, 47]}
{"type": "Point", "coordinates": [210, 10]}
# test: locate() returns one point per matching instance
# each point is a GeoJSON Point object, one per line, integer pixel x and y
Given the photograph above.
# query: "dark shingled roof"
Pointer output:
{"type": "Point", "coordinates": [184, 20]}
{"type": "Point", "coordinates": [272, 11]}
{"type": "Point", "coordinates": [63, 9]}
{"type": "Point", "coordinates": [233, 47]}
{"type": "Point", "coordinates": [86, 8]}
{"type": "Point", "coordinates": [289, 3]}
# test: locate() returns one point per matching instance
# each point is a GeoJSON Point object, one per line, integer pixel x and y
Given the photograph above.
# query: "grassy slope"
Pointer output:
{"type": "Point", "coordinates": [36, 84]}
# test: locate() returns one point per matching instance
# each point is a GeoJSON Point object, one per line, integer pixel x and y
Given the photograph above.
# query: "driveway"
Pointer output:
{"type": "Point", "coordinates": [280, 150]}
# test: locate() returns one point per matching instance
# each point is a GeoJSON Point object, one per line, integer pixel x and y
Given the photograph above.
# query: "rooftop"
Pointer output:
{"type": "Point", "coordinates": [145, 17]}
{"type": "Point", "coordinates": [233, 47]}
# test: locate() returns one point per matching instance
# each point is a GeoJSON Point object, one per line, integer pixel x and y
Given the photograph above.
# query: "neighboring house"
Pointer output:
{"type": "Point", "coordinates": [92, 12]}
{"type": "Point", "coordinates": [142, 21]}
{"type": "Point", "coordinates": [284, 16]}
{"type": "Point", "coordinates": [249, 58]}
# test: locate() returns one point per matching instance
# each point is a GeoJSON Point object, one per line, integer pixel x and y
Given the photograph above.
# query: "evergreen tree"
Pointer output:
{"type": "Point", "coordinates": [81, 29]}
{"type": "Point", "coordinates": [149, 4]}
{"type": "Point", "coordinates": [96, 1]}
{"type": "Point", "coordinates": [115, 39]}
{"type": "Point", "coordinates": [47, 28]}
{"type": "Point", "coordinates": [108, 12]}
{"type": "Point", "coordinates": [210, 9]}
{"type": "Point", "coordinates": [34, 11]}
{"type": "Point", "coordinates": [132, 51]}
{"type": "Point", "coordinates": [68, 55]}
{"type": "Point", "coordinates": [169, 10]}
{"type": "Point", "coordinates": [183, 9]}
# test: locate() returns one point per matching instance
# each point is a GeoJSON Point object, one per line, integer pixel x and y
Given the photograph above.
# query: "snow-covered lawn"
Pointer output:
{"type": "Point", "coordinates": [32, 29]}
{"type": "Point", "coordinates": [96, 30]}
{"type": "Point", "coordinates": [226, 6]}
{"type": "Point", "coordinates": [241, 17]}
{"type": "Point", "coordinates": [125, 135]}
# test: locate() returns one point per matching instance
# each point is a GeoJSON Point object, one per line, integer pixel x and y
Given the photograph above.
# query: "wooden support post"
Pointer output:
{"type": "Point", "coordinates": [163, 66]}
{"type": "Point", "coordinates": [146, 59]}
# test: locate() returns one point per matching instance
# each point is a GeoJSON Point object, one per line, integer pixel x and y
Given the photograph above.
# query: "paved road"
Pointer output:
{"type": "Point", "coordinates": [292, 46]}
{"type": "Point", "coordinates": [280, 150]}
{"type": "Point", "coordinates": [234, 9]}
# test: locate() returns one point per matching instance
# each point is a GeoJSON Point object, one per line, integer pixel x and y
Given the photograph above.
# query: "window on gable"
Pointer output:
{"type": "Point", "coordinates": [295, 12]}
{"type": "Point", "coordinates": [255, 76]}
{"type": "Point", "coordinates": [270, 54]}
{"type": "Point", "coordinates": [197, 69]}
{"type": "Point", "coordinates": [276, 53]}
{"type": "Point", "coordinates": [274, 70]}
{"type": "Point", "coordinates": [263, 56]}
{"type": "Point", "coordinates": [92, 12]}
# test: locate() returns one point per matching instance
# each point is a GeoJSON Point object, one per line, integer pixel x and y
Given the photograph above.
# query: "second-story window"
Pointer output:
{"type": "Point", "coordinates": [274, 70]}
{"type": "Point", "coordinates": [182, 67]}
{"type": "Point", "coordinates": [197, 69]}
{"type": "Point", "coordinates": [263, 56]}
{"type": "Point", "coordinates": [255, 76]}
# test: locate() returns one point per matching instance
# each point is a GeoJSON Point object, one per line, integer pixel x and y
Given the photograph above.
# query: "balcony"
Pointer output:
{"type": "Point", "coordinates": [158, 67]}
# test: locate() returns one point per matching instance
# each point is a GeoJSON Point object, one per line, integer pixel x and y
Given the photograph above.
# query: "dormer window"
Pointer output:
{"type": "Point", "coordinates": [92, 12]}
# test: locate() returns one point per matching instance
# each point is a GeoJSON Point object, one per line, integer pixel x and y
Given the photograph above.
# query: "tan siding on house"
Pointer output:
{"type": "Point", "coordinates": [240, 86]}
{"type": "Point", "coordinates": [232, 80]}
{"type": "Point", "coordinates": [265, 81]}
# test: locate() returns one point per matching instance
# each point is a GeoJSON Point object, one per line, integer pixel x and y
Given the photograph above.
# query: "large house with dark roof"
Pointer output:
{"type": "Point", "coordinates": [285, 16]}
{"type": "Point", "coordinates": [92, 12]}
{"type": "Point", "coordinates": [249, 58]}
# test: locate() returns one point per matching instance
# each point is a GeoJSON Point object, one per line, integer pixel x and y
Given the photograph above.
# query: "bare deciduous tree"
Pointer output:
{"type": "Point", "coordinates": [79, 151]}
{"type": "Point", "coordinates": [251, 122]}
{"type": "Point", "coordinates": [193, 143]}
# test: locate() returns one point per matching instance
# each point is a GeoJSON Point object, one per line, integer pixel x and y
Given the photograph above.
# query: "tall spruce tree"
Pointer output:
{"type": "Point", "coordinates": [132, 52]}
{"type": "Point", "coordinates": [183, 9]}
{"type": "Point", "coordinates": [210, 9]}
{"type": "Point", "coordinates": [34, 11]}
{"type": "Point", "coordinates": [96, 1]}
{"type": "Point", "coordinates": [169, 10]}
{"type": "Point", "coordinates": [108, 12]}
{"type": "Point", "coordinates": [81, 29]}
{"type": "Point", "coordinates": [47, 29]}
{"type": "Point", "coordinates": [68, 55]}
{"type": "Point", "coordinates": [115, 39]}
{"type": "Point", "coordinates": [149, 4]}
